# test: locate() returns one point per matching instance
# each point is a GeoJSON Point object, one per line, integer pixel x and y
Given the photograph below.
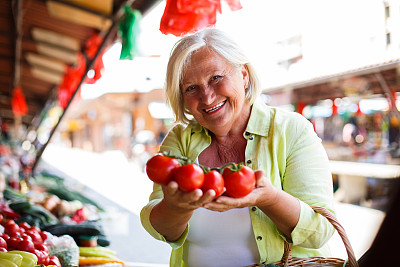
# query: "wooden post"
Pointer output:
{"type": "Point", "coordinates": [17, 11]}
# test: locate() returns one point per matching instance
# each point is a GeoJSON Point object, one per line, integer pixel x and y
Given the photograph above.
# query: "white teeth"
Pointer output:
{"type": "Point", "coordinates": [214, 108]}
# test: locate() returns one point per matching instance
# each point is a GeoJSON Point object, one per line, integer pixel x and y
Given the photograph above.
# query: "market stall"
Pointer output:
{"type": "Point", "coordinates": [49, 49]}
{"type": "Point", "coordinates": [355, 113]}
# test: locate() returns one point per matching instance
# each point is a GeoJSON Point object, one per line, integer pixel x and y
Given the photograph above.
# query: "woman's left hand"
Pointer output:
{"type": "Point", "coordinates": [263, 193]}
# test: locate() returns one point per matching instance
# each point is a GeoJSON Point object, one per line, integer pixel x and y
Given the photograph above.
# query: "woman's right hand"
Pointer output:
{"type": "Point", "coordinates": [171, 216]}
{"type": "Point", "coordinates": [176, 198]}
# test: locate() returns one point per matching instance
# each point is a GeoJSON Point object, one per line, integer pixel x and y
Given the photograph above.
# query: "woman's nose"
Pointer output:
{"type": "Point", "coordinates": [207, 95]}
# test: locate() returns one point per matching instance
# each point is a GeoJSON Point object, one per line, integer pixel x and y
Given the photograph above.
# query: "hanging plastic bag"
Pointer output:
{"type": "Point", "coordinates": [180, 19]}
{"type": "Point", "coordinates": [234, 5]}
{"type": "Point", "coordinates": [92, 45]}
{"type": "Point", "coordinates": [198, 6]}
{"type": "Point", "coordinates": [18, 102]}
{"type": "Point", "coordinates": [70, 82]}
{"type": "Point", "coordinates": [97, 70]}
{"type": "Point", "coordinates": [187, 16]}
{"type": "Point", "coordinates": [129, 31]}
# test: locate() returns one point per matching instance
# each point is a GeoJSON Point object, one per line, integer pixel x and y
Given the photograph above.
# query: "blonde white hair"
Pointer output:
{"type": "Point", "coordinates": [214, 40]}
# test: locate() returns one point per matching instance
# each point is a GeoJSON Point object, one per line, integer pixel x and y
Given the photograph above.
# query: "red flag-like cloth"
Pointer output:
{"type": "Point", "coordinates": [188, 16]}
{"type": "Point", "coordinates": [70, 82]}
{"type": "Point", "coordinates": [91, 47]}
{"type": "Point", "coordinates": [18, 103]}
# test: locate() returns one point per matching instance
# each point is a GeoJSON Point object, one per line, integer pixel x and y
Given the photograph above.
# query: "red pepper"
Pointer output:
{"type": "Point", "coordinates": [8, 212]}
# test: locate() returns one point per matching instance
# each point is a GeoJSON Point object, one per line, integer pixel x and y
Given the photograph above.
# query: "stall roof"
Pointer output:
{"type": "Point", "coordinates": [370, 79]}
{"type": "Point", "coordinates": [50, 35]}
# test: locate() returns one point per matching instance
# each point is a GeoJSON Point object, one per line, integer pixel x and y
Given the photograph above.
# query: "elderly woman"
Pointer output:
{"type": "Point", "coordinates": [213, 90]}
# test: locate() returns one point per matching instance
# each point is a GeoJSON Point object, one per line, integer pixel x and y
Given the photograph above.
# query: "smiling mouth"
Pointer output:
{"type": "Point", "coordinates": [215, 108]}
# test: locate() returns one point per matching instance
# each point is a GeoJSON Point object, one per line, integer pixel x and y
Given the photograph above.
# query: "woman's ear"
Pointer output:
{"type": "Point", "coordinates": [246, 77]}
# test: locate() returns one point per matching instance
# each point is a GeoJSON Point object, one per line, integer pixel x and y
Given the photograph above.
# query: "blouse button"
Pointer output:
{"type": "Point", "coordinates": [259, 238]}
{"type": "Point", "coordinates": [251, 137]}
{"type": "Point", "coordinates": [253, 208]}
{"type": "Point", "coordinates": [248, 162]}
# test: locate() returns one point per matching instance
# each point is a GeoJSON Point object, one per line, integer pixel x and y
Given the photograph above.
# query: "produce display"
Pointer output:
{"type": "Point", "coordinates": [45, 222]}
{"type": "Point", "coordinates": [236, 179]}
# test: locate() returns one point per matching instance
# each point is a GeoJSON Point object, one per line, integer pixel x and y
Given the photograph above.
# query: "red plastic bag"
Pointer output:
{"type": "Point", "coordinates": [183, 19]}
{"type": "Point", "coordinates": [198, 6]}
{"type": "Point", "coordinates": [92, 45]}
{"type": "Point", "coordinates": [70, 82]}
{"type": "Point", "coordinates": [187, 16]}
{"type": "Point", "coordinates": [234, 4]}
{"type": "Point", "coordinates": [18, 103]}
{"type": "Point", "coordinates": [97, 69]}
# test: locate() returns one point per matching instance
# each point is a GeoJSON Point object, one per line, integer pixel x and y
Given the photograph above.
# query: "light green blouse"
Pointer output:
{"type": "Point", "coordinates": [285, 146]}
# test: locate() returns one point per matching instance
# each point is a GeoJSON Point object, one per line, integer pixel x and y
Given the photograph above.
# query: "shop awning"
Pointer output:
{"type": "Point", "coordinates": [365, 80]}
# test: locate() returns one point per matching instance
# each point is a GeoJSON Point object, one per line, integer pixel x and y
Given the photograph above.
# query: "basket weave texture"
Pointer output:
{"type": "Point", "coordinates": [287, 259]}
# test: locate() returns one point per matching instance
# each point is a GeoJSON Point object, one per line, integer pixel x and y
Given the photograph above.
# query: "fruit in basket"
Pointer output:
{"type": "Point", "coordinates": [159, 168]}
{"type": "Point", "coordinates": [239, 180]}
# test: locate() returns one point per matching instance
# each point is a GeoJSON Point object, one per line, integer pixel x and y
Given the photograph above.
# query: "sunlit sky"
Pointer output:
{"type": "Point", "coordinates": [257, 27]}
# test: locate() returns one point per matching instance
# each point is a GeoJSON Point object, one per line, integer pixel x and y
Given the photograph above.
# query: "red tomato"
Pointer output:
{"type": "Point", "coordinates": [5, 237]}
{"type": "Point", "coordinates": [54, 261]}
{"type": "Point", "coordinates": [8, 222]}
{"type": "Point", "coordinates": [13, 242]}
{"type": "Point", "coordinates": [24, 225]}
{"type": "Point", "coordinates": [3, 250]}
{"type": "Point", "coordinates": [43, 257]}
{"type": "Point", "coordinates": [44, 235]}
{"type": "Point", "coordinates": [215, 181]}
{"type": "Point", "coordinates": [1, 218]}
{"type": "Point", "coordinates": [240, 182]}
{"type": "Point", "coordinates": [189, 177]}
{"type": "Point", "coordinates": [26, 237]}
{"type": "Point", "coordinates": [26, 245]}
{"type": "Point", "coordinates": [159, 168]}
{"type": "Point", "coordinates": [3, 243]}
{"type": "Point", "coordinates": [36, 238]}
{"type": "Point", "coordinates": [12, 229]}
{"type": "Point", "coordinates": [35, 228]}
{"type": "Point", "coordinates": [41, 247]}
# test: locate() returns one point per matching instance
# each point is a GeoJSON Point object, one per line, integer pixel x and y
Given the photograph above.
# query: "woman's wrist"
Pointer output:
{"type": "Point", "coordinates": [268, 198]}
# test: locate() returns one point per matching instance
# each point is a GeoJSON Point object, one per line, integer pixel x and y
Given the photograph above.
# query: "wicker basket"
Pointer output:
{"type": "Point", "coordinates": [287, 259]}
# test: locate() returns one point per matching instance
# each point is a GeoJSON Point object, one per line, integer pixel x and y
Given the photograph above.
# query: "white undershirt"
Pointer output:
{"type": "Point", "coordinates": [220, 239]}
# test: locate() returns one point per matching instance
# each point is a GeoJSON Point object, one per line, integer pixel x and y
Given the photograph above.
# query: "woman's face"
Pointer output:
{"type": "Point", "coordinates": [214, 92]}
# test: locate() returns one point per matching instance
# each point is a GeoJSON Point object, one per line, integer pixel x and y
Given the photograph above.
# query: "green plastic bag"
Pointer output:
{"type": "Point", "coordinates": [129, 28]}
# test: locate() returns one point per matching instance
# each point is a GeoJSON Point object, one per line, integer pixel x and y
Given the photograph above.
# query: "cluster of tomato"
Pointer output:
{"type": "Point", "coordinates": [238, 180]}
{"type": "Point", "coordinates": [24, 237]}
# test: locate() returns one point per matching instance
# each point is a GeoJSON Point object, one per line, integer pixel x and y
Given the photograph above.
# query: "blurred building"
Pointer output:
{"type": "Point", "coordinates": [116, 121]}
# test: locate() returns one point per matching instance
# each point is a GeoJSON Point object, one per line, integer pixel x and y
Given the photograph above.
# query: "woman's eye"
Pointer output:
{"type": "Point", "coordinates": [215, 77]}
{"type": "Point", "coordinates": [190, 88]}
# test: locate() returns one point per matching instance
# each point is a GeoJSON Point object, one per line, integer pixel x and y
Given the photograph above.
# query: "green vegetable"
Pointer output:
{"type": "Point", "coordinates": [17, 259]}
{"type": "Point", "coordinates": [11, 194]}
{"type": "Point", "coordinates": [74, 229]}
{"type": "Point", "coordinates": [66, 194]}
{"type": "Point", "coordinates": [32, 213]}
{"type": "Point", "coordinates": [96, 252]}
